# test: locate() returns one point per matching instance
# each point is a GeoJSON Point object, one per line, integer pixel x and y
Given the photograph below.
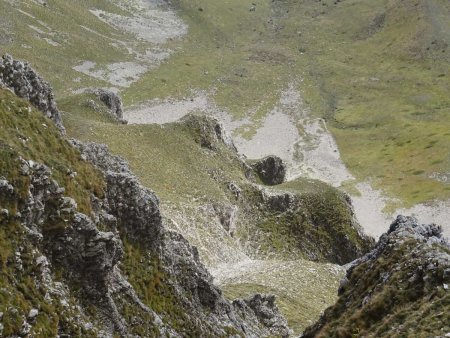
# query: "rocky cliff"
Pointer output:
{"type": "Point", "coordinates": [84, 251]}
{"type": "Point", "coordinates": [399, 289]}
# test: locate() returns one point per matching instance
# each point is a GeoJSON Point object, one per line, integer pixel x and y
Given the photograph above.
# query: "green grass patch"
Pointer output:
{"type": "Point", "coordinates": [25, 132]}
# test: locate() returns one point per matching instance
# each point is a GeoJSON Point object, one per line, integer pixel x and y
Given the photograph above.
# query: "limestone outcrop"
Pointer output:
{"type": "Point", "coordinates": [112, 101]}
{"type": "Point", "coordinates": [136, 210]}
{"type": "Point", "coordinates": [23, 80]}
{"type": "Point", "coordinates": [111, 263]}
{"type": "Point", "coordinates": [400, 288]}
{"type": "Point", "coordinates": [271, 170]}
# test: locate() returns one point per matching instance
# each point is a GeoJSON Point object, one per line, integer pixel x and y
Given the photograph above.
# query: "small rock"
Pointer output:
{"type": "Point", "coordinates": [33, 314]}
{"type": "Point", "coordinates": [234, 188]}
{"type": "Point", "coordinates": [26, 328]}
{"type": "Point", "coordinates": [447, 273]}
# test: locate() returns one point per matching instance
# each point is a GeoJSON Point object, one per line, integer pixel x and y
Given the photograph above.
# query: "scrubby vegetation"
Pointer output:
{"type": "Point", "coordinates": [399, 289]}
{"type": "Point", "coordinates": [26, 133]}
{"type": "Point", "coordinates": [317, 215]}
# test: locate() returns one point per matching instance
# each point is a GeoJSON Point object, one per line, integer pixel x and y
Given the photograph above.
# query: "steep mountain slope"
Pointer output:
{"type": "Point", "coordinates": [285, 77]}
{"type": "Point", "coordinates": [210, 195]}
{"type": "Point", "coordinates": [134, 276]}
{"type": "Point", "coordinates": [400, 289]}
{"type": "Point", "coordinates": [91, 257]}
{"type": "Point", "coordinates": [192, 168]}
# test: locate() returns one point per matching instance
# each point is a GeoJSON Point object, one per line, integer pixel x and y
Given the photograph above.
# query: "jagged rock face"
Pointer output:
{"type": "Point", "coordinates": [266, 311]}
{"type": "Point", "coordinates": [113, 102]}
{"type": "Point", "coordinates": [91, 261]}
{"type": "Point", "coordinates": [400, 288]}
{"type": "Point", "coordinates": [71, 241]}
{"type": "Point", "coordinates": [99, 155]}
{"type": "Point", "coordinates": [26, 83]}
{"type": "Point", "coordinates": [271, 170]}
{"type": "Point", "coordinates": [136, 209]}
{"type": "Point", "coordinates": [227, 215]}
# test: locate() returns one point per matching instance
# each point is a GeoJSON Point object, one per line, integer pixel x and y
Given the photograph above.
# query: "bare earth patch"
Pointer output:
{"type": "Point", "coordinates": [151, 25]}
{"type": "Point", "coordinates": [121, 74]}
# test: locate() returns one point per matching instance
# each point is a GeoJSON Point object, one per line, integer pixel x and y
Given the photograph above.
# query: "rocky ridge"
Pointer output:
{"type": "Point", "coordinates": [400, 288]}
{"type": "Point", "coordinates": [271, 170]}
{"type": "Point", "coordinates": [112, 101]}
{"type": "Point", "coordinates": [300, 219]}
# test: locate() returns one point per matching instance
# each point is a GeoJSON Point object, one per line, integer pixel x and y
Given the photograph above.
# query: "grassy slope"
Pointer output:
{"type": "Point", "coordinates": [376, 70]}
{"type": "Point", "coordinates": [25, 132]}
{"type": "Point", "coordinates": [228, 49]}
{"type": "Point", "coordinates": [61, 22]}
{"type": "Point", "coordinates": [187, 177]}
{"type": "Point", "coordinates": [306, 288]}
{"type": "Point", "coordinates": [384, 92]}
{"type": "Point", "coordinates": [380, 87]}
{"type": "Point", "coordinates": [166, 158]}
{"type": "Point", "coordinates": [181, 172]}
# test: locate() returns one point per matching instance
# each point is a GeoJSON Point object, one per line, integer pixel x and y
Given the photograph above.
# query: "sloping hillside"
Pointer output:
{"type": "Point", "coordinates": [210, 195]}
{"type": "Point", "coordinates": [351, 92]}
{"type": "Point", "coordinates": [100, 234]}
